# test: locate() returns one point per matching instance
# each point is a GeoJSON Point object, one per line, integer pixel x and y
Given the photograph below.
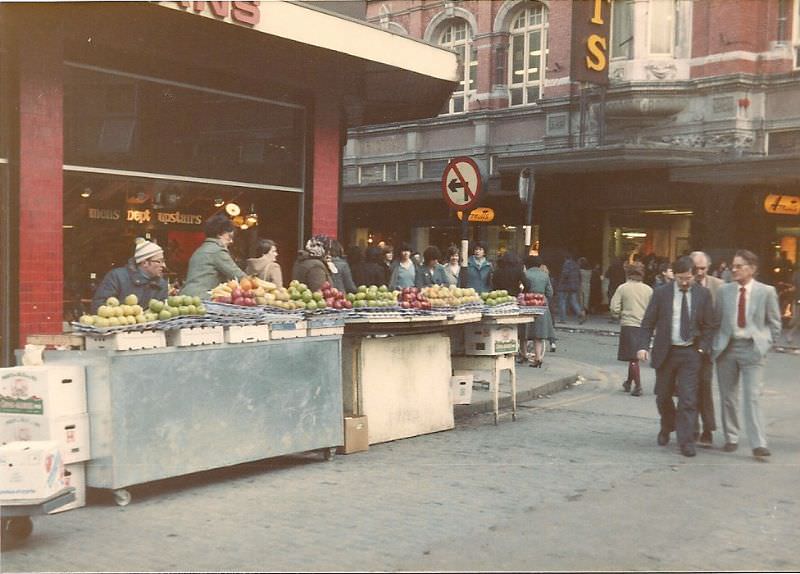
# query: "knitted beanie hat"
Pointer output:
{"type": "Point", "coordinates": [145, 250]}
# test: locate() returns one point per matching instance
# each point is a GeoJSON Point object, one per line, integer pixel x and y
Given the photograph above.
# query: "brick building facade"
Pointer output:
{"type": "Point", "coordinates": [699, 123]}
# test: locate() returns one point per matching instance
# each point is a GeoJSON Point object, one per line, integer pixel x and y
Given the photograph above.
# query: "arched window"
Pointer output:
{"type": "Point", "coordinates": [456, 35]}
{"type": "Point", "coordinates": [527, 54]}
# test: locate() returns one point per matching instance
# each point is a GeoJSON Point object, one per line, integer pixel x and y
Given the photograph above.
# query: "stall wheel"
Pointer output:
{"type": "Point", "coordinates": [122, 497]}
{"type": "Point", "coordinates": [16, 529]}
{"type": "Point", "coordinates": [328, 453]}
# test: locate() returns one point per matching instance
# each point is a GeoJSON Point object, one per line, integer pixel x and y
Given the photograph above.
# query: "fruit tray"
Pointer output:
{"type": "Point", "coordinates": [504, 309]}
{"type": "Point", "coordinates": [326, 321]}
{"type": "Point", "coordinates": [532, 309]}
{"type": "Point", "coordinates": [92, 330]}
{"type": "Point", "coordinates": [216, 309]}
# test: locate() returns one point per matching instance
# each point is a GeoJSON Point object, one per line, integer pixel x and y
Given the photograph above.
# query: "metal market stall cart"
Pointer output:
{"type": "Point", "coordinates": [166, 412]}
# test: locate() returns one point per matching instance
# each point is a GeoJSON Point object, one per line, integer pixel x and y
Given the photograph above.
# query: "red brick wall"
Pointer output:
{"type": "Point", "coordinates": [40, 182]}
{"type": "Point", "coordinates": [327, 165]}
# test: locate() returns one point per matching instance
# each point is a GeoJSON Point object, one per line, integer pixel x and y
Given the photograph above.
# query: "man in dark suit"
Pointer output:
{"type": "Point", "coordinates": [705, 399]}
{"type": "Point", "coordinates": [682, 316]}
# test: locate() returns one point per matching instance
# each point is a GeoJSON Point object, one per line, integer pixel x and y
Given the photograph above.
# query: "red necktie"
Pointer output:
{"type": "Point", "coordinates": [740, 317]}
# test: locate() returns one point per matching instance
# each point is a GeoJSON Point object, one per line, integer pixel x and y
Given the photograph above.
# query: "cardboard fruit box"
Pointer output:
{"type": "Point", "coordinates": [490, 339]}
{"type": "Point", "coordinates": [51, 390]}
{"type": "Point", "coordinates": [70, 432]}
{"type": "Point", "coordinates": [461, 387]}
{"type": "Point", "coordinates": [30, 470]}
{"type": "Point", "coordinates": [191, 336]}
{"type": "Point", "coordinates": [287, 330]}
{"type": "Point", "coordinates": [356, 435]}
{"type": "Point", "coordinates": [246, 333]}
{"type": "Point", "coordinates": [132, 341]}
{"type": "Point", "coordinates": [74, 476]}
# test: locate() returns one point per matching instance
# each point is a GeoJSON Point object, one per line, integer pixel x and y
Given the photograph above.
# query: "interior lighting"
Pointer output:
{"type": "Point", "coordinates": [219, 202]}
{"type": "Point", "coordinates": [232, 209]}
{"type": "Point", "coordinates": [633, 234]}
{"type": "Point", "coordinates": [252, 217]}
{"type": "Point", "coordinates": [87, 192]}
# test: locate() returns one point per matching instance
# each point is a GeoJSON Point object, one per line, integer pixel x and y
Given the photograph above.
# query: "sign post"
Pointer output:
{"type": "Point", "coordinates": [462, 186]}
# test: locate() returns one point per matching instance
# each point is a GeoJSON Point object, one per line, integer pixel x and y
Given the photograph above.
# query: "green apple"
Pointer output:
{"type": "Point", "coordinates": [86, 320]}
{"type": "Point", "coordinates": [156, 305]}
{"type": "Point", "coordinates": [196, 301]}
{"type": "Point", "coordinates": [200, 310]}
{"type": "Point", "coordinates": [131, 299]}
{"type": "Point", "coordinates": [164, 314]}
{"type": "Point", "coordinates": [112, 301]}
{"type": "Point", "coordinates": [105, 311]}
{"type": "Point", "coordinates": [102, 322]}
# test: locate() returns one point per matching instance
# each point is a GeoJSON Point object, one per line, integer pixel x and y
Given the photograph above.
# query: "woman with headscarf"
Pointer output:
{"type": "Point", "coordinates": [310, 266]}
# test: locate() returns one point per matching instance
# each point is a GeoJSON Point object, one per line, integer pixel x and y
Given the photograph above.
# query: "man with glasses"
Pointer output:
{"type": "Point", "coordinates": [142, 276]}
{"type": "Point", "coordinates": [682, 316]}
{"type": "Point", "coordinates": [705, 399]}
{"type": "Point", "coordinates": [749, 324]}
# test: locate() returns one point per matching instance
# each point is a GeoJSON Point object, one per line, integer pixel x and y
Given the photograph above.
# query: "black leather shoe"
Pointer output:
{"type": "Point", "coordinates": [688, 450]}
{"type": "Point", "coordinates": [761, 451]}
{"type": "Point", "coordinates": [663, 438]}
{"type": "Point", "coordinates": [706, 438]}
{"type": "Point", "coordinates": [730, 447]}
{"type": "Point", "coordinates": [626, 386]}
{"type": "Point", "coordinates": [552, 347]}
{"type": "Point", "coordinates": [637, 391]}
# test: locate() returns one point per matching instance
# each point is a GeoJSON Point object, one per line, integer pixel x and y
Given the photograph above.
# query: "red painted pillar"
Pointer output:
{"type": "Point", "coordinates": [41, 156]}
{"type": "Point", "coordinates": [327, 167]}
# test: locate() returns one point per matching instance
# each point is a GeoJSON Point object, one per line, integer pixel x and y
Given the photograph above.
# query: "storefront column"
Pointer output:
{"type": "Point", "coordinates": [327, 166]}
{"type": "Point", "coordinates": [41, 153]}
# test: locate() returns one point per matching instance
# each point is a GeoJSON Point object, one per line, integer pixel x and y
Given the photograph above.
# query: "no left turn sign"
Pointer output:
{"type": "Point", "coordinates": [461, 183]}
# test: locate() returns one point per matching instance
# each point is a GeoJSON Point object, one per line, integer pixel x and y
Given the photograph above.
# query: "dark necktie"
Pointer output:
{"type": "Point", "coordinates": [686, 330]}
{"type": "Point", "coordinates": [740, 320]}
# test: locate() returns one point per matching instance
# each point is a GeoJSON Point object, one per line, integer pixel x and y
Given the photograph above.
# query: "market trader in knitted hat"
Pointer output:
{"type": "Point", "coordinates": [142, 276]}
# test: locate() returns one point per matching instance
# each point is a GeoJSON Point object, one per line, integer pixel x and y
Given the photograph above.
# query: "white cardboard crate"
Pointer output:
{"type": "Point", "coordinates": [490, 339]}
{"type": "Point", "coordinates": [132, 341]}
{"type": "Point", "coordinates": [71, 433]}
{"type": "Point", "coordinates": [51, 390]}
{"type": "Point", "coordinates": [30, 470]}
{"type": "Point", "coordinates": [75, 476]}
{"type": "Point", "coordinates": [246, 333]}
{"type": "Point", "coordinates": [461, 387]}
{"type": "Point", "coordinates": [288, 330]}
{"type": "Point", "coordinates": [191, 336]}
{"type": "Point", "coordinates": [324, 331]}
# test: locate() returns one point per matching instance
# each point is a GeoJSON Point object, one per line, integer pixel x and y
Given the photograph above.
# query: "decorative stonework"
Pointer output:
{"type": "Point", "coordinates": [666, 71]}
{"type": "Point", "coordinates": [730, 140]}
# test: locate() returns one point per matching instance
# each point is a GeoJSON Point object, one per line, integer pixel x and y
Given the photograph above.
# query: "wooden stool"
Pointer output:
{"type": "Point", "coordinates": [494, 364]}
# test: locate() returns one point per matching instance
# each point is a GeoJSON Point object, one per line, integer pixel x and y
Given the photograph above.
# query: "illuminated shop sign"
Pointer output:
{"type": "Point", "coordinates": [782, 204]}
{"type": "Point", "coordinates": [590, 32]}
{"type": "Point", "coordinates": [146, 216]}
{"type": "Point", "coordinates": [244, 13]}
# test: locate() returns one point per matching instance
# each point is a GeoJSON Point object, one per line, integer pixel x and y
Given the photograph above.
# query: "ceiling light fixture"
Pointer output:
{"type": "Point", "coordinates": [219, 202]}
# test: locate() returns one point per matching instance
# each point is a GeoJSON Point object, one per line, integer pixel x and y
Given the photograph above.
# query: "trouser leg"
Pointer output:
{"type": "Point", "coordinates": [705, 399]}
{"type": "Point", "coordinates": [664, 389]}
{"type": "Point", "coordinates": [752, 387]}
{"type": "Point", "coordinates": [687, 394]}
{"type": "Point", "coordinates": [728, 382]}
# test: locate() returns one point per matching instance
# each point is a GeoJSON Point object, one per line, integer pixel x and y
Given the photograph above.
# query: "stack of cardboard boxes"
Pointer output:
{"type": "Point", "coordinates": [48, 403]}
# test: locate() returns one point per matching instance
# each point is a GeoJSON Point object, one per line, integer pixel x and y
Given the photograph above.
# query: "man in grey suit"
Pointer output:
{"type": "Point", "coordinates": [705, 398]}
{"type": "Point", "coordinates": [682, 316]}
{"type": "Point", "coordinates": [749, 323]}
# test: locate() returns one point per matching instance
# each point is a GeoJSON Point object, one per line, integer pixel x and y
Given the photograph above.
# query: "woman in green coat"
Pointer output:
{"type": "Point", "coordinates": [211, 263]}
{"type": "Point", "coordinates": [542, 327]}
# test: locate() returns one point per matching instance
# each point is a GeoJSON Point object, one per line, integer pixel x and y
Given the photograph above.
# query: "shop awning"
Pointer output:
{"type": "Point", "coordinates": [401, 78]}
{"type": "Point", "coordinates": [782, 169]}
{"type": "Point", "coordinates": [605, 159]}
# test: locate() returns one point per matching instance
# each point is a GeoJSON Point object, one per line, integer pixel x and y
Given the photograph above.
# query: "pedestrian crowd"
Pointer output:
{"type": "Point", "coordinates": [684, 317]}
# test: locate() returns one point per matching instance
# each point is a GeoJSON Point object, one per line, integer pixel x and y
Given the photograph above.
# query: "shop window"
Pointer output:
{"type": "Point", "coordinates": [104, 214]}
{"type": "Point", "coordinates": [528, 54]}
{"type": "Point", "coordinates": [622, 29]}
{"type": "Point", "coordinates": [457, 36]}
{"type": "Point", "coordinates": [350, 175]}
{"type": "Point", "coordinates": [433, 169]}
{"type": "Point", "coordinates": [661, 25]}
{"type": "Point", "coordinates": [119, 121]}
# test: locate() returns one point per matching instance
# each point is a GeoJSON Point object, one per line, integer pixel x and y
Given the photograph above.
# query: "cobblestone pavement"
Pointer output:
{"type": "Point", "coordinates": [575, 483]}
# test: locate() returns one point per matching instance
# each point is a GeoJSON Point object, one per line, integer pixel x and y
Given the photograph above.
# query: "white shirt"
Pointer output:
{"type": "Point", "coordinates": [738, 332]}
{"type": "Point", "coordinates": [677, 300]}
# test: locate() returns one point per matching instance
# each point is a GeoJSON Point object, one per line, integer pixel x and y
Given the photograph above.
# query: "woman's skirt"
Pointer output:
{"type": "Point", "coordinates": [630, 340]}
{"type": "Point", "coordinates": [542, 327]}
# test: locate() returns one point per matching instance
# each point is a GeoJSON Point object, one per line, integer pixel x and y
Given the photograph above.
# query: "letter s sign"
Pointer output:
{"type": "Point", "coordinates": [596, 60]}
